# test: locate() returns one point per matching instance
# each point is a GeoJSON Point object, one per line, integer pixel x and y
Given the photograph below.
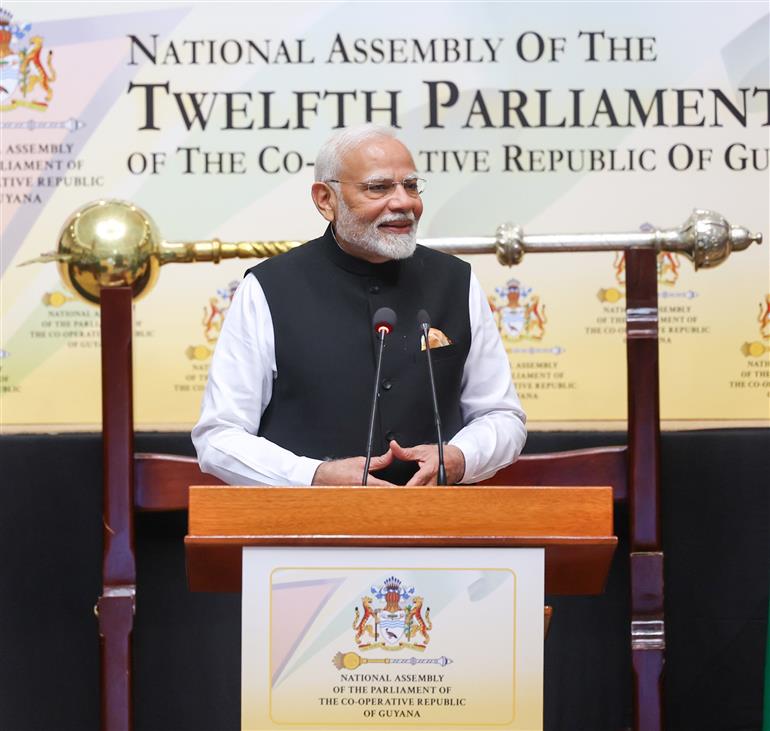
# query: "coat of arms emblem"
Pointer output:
{"type": "Point", "coordinates": [392, 617]}
{"type": "Point", "coordinates": [668, 264]}
{"type": "Point", "coordinates": [520, 315]}
{"type": "Point", "coordinates": [214, 314]}
{"type": "Point", "coordinates": [757, 348]}
{"type": "Point", "coordinates": [26, 72]}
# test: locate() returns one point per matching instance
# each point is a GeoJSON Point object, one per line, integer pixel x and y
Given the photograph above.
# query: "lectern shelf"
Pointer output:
{"type": "Point", "coordinates": [573, 524]}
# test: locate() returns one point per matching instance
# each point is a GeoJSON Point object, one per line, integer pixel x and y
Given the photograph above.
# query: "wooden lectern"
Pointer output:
{"type": "Point", "coordinates": [573, 524]}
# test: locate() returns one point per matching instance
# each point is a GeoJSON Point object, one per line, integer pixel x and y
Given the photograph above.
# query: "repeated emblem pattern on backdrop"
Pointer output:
{"type": "Point", "coordinates": [519, 313]}
{"type": "Point", "coordinates": [27, 72]}
{"type": "Point", "coordinates": [757, 348]}
{"type": "Point", "coordinates": [668, 267]}
{"type": "Point", "coordinates": [213, 318]}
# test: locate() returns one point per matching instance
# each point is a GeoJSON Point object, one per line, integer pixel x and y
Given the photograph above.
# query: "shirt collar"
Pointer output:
{"type": "Point", "coordinates": [386, 270]}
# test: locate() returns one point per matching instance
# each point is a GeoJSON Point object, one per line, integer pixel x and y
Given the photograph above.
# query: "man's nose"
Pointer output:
{"type": "Point", "coordinates": [400, 200]}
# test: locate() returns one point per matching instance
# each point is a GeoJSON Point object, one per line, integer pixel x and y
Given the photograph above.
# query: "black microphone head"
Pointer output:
{"type": "Point", "coordinates": [423, 318]}
{"type": "Point", "coordinates": [384, 319]}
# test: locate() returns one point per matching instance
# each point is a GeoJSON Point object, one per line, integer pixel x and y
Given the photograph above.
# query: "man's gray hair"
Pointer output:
{"type": "Point", "coordinates": [327, 164]}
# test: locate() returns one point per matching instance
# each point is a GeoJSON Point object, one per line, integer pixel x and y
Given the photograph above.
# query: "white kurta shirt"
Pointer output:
{"type": "Point", "coordinates": [240, 385]}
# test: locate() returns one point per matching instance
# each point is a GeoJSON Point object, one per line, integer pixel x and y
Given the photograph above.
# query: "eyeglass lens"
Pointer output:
{"type": "Point", "coordinates": [413, 186]}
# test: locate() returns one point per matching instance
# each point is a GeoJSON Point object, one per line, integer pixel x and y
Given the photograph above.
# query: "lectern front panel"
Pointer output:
{"type": "Point", "coordinates": [404, 638]}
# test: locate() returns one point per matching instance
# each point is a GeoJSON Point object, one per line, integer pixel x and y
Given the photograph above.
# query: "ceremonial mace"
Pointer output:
{"type": "Point", "coordinates": [112, 243]}
{"type": "Point", "coordinates": [352, 660]}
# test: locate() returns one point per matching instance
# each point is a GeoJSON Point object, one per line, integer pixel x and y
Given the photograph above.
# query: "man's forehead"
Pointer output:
{"type": "Point", "coordinates": [379, 157]}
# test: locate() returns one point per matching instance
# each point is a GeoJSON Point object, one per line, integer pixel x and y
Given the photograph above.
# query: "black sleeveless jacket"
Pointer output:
{"type": "Point", "coordinates": [322, 301]}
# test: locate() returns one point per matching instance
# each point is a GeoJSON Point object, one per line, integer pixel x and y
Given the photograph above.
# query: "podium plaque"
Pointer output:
{"type": "Point", "coordinates": [392, 638]}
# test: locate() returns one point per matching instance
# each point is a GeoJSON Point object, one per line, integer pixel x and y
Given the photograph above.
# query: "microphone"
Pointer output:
{"type": "Point", "coordinates": [384, 321]}
{"type": "Point", "coordinates": [423, 320]}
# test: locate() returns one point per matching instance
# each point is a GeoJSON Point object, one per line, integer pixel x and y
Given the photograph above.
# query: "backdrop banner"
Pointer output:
{"type": "Point", "coordinates": [559, 117]}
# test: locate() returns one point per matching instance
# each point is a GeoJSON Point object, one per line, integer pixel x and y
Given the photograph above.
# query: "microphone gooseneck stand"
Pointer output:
{"type": "Point", "coordinates": [424, 321]}
{"type": "Point", "coordinates": [384, 321]}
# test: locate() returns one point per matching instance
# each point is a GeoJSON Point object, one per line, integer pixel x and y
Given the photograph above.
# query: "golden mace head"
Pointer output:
{"type": "Point", "coordinates": [348, 660]}
{"type": "Point", "coordinates": [108, 244]}
{"type": "Point", "coordinates": [112, 243]}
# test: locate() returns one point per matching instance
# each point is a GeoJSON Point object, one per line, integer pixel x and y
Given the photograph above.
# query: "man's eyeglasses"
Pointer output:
{"type": "Point", "coordinates": [382, 188]}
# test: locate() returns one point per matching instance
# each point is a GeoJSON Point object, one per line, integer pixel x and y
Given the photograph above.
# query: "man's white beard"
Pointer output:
{"type": "Point", "coordinates": [369, 238]}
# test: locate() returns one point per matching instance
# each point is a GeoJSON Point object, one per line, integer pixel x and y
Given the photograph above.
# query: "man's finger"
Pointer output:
{"type": "Point", "coordinates": [381, 461]}
{"type": "Point", "coordinates": [404, 454]}
{"type": "Point", "coordinates": [423, 476]}
{"type": "Point", "coordinates": [377, 482]}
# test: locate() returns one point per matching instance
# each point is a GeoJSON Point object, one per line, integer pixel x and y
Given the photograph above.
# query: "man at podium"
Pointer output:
{"type": "Point", "coordinates": [290, 384]}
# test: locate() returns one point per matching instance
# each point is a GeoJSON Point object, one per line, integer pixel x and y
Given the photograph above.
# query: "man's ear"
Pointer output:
{"type": "Point", "coordinates": [325, 200]}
